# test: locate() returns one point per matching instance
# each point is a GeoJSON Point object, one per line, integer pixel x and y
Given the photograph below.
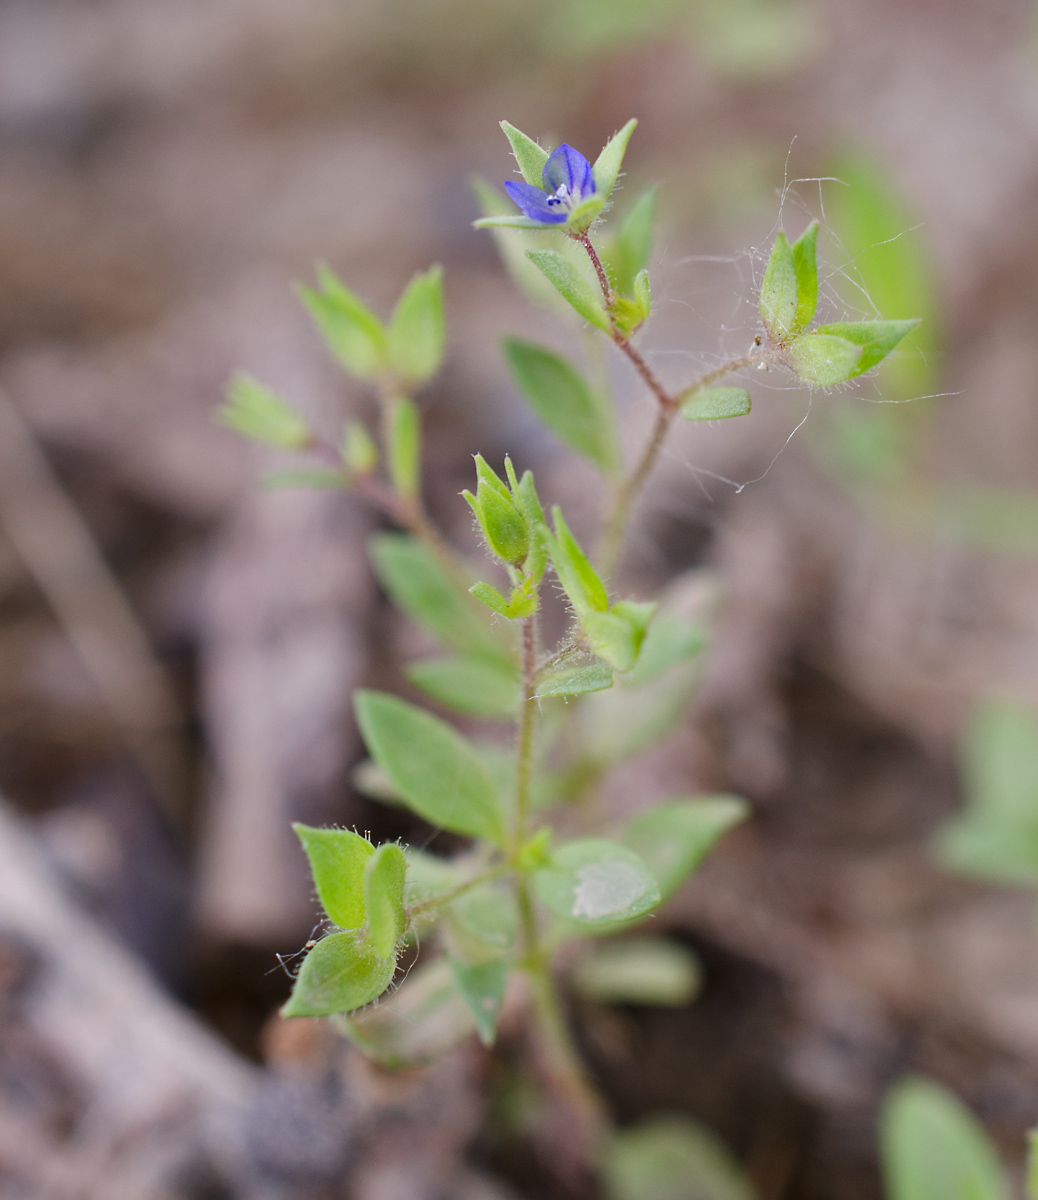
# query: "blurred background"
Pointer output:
{"type": "Point", "coordinates": [178, 647]}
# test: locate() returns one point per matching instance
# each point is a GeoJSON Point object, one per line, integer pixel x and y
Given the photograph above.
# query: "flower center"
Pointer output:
{"type": "Point", "coordinates": [561, 196]}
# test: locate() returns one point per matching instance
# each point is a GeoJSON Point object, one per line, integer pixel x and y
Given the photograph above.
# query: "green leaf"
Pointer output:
{"type": "Point", "coordinates": [564, 401]}
{"type": "Point", "coordinates": [428, 875]}
{"type": "Point", "coordinates": [350, 329]}
{"type": "Point", "coordinates": [341, 973]}
{"type": "Point", "coordinates": [330, 480]}
{"type": "Point", "coordinates": [805, 256]}
{"type": "Point", "coordinates": [669, 642]}
{"type": "Point", "coordinates": [500, 514]}
{"type": "Point", "coordinates": [423, 1019]}
{"type": "Point", "coordinates": [778, 292]}
{"type": "Point", "coordinates": [1032, 1165]}
{"type": "Point", "coordinates": [482, 987]}
{"type": "Point", "coordinates": [384, 898]}
{"type": "Point", "coordinates": [563, 275]}
{"type": "Point", "coordinates": [521, 603]}
{"type": "Point", "coordinates": [673, 838]}
{"type": "Point", "coordinates": [672, 1158]}
{"type": "Point", "coordinates": [996, 838]}
{"type": "Point", "coordinates": [650, 971]}
{"type": "Point", "coordinates": [478, 686]}
{"type": "Point", "coordinates": [337, 861]}
{"type": "Point", "coordinates": [933, 1148]}
{"type": "Point", "coordinates": [578, 577]}
{"type": "Point", "coordinates": [483, 923]}
{"type": "Point", "coordinates": [715, 404]}
{"type": "Point", "coordinates": [435, 770]}
{"type": "Point", "coordinates": [633, 245]}
{"type": "Point", "coordinates": [404, 449]}
{"type": "Point", "coordinates": [613, 637]}
{"type": "Point", "coordinates": [258, 413]}
{"type": "Point", "coordinates": [594, 881]}
{"type": "Point", "coordinates": [576, 681]}
{"type": "Point", "coordinates": [511, 222]}
{"type": "Point", "coordinates": [876, 338]}
{"type": "Point", "coordinates": [530, 157]}
{"type": "Point", "coordinates": [625, 720]}
{"type": "Point", "coordinates": [358, 451]}
{"type": "Point", "coordinates": [607, 165]}
{"type": "Point", "coordinates": [643, 294]}
{"type": "Point", "coordinates": [418, 584]}
{"type": "Point", "coordinates": [417, 331]}
{"type": "Point", "coordinates": [823, 359]}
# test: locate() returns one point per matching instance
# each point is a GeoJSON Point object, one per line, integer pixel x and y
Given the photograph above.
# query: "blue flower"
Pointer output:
{"type": "Point", "coordinates": [568, 181]}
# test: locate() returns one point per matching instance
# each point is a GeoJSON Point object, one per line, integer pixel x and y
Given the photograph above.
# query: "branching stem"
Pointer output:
{"type": "Point", "coordinates": [446, 897]}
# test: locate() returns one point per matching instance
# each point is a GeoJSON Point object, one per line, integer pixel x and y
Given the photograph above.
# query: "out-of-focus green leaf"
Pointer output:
{"type": "Point", "coordinates": [644, 970]}
{"type": "Point", "coordinates": [576, 681]}
{"type": "Point", "coordinates": [337, 861]}
{"type": "Point", "coordinates": [628, 253]}
{"type": "Point", "coordinates": [327, 480]}
{"type": "Point", "coordinates": [480, 687]}
{"type": "Point", "coordinates": [418, 584]}
{"type": "Point", "coordinates": [715, 404]}
{"type": "Point", "coordinates": [421, 1021]}
{"type": "Point", "coordinates": [384, 898]}
{"type": "Point", "coordinates": [255, 411]}
{"type": "Point", "coordinates": [991, 519]}
{"type": "Point", "coordinates": [672, 1158]}
{"type": "Point", "coordinates": [876, 338]}
{"type": "Point", "coordinates": [594, 881]}
{"type": "Point", "coordinates": [996, 837]}
{"type": "Point", "coordinates": [669, 642]}
{"type": "Point", "coordinates": [805, 256]}
{"type": "Point", "coordinates": [482, 987]}
{"type": "Point", "coordinates": [673, 838]}
{"type": "Point", "coordinates": [483, 923]}
{"type": "Point", "coordinates": [620, 723]}
{"type": "Point", "coordinates": [358, 450]}
{"type": "Point", "coordinates": [341, 973]}
{"type": "Point", "coordinates": [431, 765]}
{"type": "Point", "coordinates": [559, 395]}
{"type": "Point", "coordinates": [417, 331]}
{"type": "Point", "coordinates": [404, 449]}
{"type": "Point", "coordinates": [351, 330]}
{"type": "Point", "coordinates": [778, 290]}
{"type": "Point", "coordinates": [933, 1148]}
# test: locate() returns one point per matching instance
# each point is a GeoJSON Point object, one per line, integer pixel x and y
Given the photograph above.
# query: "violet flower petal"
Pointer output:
{"type": "Point", "coordinates": [568, 166]}
{"type": "Point", "coordinates": [533, 203]}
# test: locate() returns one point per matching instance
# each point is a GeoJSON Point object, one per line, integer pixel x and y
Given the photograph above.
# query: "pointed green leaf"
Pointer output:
{"type": "Point", "coordinates": [384, 898]}
{"type": "Point", "coordinates": [594, 881]}
{"type": "Point", "coordinates": [643, 294]}
{"type": "Point", "coordinates": [337, 861]}
{"type": "Point", "coordinates": [645, 970]}
{"type": "Point", "coordinates": [716, 404]}
{"type": "Point", "coordinates": [482, 987]}
{"type": "Point", "coordinates": [629, 253]}
{"type": "Point", "coordinates": [672, 1158]}
{"type": "Point", "coordinates": [933, 1148]}
{"type": "Point", "coordinates": [432, 766]}
{"type": "Point", "coordinates": [578, 577]}
{"type": "Point", "coordinates": [325, 480]}
{"type": "Point", "coordinates": [255, 411]}
{"type": "Point", "coordinates": [341, 973]}
{"type": "Point", "coordinates": [576, 681]}
{"type": "Point", "coordinates": [487, 594]}
{"type": "Point", "coordinates": [564, 401]}
{"type": "Point", "coordinates": [779, 292]}
{"type": "Point", "coordinates": [607, 165]}
{"type": "Point", "coordinates": [417, 332]}
{"type": "Point", "coordinates": [571, 285]}
{"type": "Point", "coordinates": [530, 157]}
{"type": "Point", "coordinates": [417, 583]}
{"type": "Point", "coordinates": [876, 338]}
{"type": "Point", "coordinates": [350, 329]}
{"type": "Point", "coordinates": [482, 924]}
{"type": "Point", "coordinates": [823, 359]}
{"type": "Point", "coordinates": [674, 838]}
{"type": "Point", "coordinates": [511, 222]}
{"type": "Point", "coordinates": [480, 687]}
{"type": "Point", "coordinates": [805, 256]}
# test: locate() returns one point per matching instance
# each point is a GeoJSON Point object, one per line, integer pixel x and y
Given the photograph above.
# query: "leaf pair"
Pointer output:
{"type": "Point", "coordinates": [408, 350]}
{"type": "Point", "coordinates": [361, 889]}
{"type": "Point", "coordinates": [831, 354]}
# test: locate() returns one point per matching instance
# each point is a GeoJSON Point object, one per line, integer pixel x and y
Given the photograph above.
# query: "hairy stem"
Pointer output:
{"type": "Point", "coordinates": [524, 741]}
